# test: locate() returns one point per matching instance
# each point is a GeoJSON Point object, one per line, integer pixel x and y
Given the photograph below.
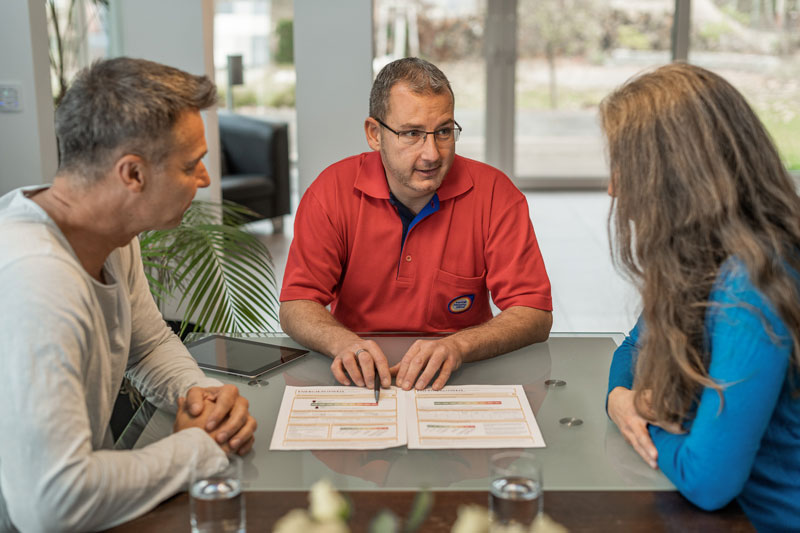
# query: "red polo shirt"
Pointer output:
{"type": "Point", "coordinates": [475, 236]}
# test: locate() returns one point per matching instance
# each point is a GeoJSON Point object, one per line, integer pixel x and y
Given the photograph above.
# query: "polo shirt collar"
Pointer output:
{"type": "Point", "coordinates": [371, 179]}
{"type": "Point", "coordinates": [457, 182]}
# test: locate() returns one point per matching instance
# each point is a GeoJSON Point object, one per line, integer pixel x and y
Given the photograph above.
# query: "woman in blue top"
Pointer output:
{"type": "Point", "coordinates": [706, 223]}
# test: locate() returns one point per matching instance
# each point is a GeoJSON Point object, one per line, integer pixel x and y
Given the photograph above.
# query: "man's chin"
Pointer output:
{"type": "Point", "coordinates": [170, 224]}
{"type": "Point", "coordinates": [427, 185]}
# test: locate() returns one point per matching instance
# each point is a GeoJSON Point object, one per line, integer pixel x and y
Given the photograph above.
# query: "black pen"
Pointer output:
{"type": "Point", "coordinates": [377, 387]}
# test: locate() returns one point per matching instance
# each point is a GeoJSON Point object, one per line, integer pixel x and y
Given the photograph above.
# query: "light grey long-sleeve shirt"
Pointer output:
{"type": "Point", "coordinates": [66, 340]}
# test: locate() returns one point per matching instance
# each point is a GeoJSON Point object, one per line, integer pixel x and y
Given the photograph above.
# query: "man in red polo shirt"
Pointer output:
{"type": "Point", "coordinates": [411, 237]}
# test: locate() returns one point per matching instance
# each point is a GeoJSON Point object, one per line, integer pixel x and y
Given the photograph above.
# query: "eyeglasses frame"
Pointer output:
{"type": "Point", "coordinates": [398, 133]}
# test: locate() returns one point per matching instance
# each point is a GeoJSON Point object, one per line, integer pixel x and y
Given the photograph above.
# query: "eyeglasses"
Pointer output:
{"type": "Point", "coordinates": [415, 137]}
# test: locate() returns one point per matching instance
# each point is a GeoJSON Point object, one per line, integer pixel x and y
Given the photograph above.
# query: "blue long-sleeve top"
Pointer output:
{"type": "Point", "coordinates": [750, 448]}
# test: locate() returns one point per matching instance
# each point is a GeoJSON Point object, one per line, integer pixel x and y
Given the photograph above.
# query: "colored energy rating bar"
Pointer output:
{"type": "Point", "coordinates": [341, 404]}
{"type": "Point", "coordinates": [490, 402]}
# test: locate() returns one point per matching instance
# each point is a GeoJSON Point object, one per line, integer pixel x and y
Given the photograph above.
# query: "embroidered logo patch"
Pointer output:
{"type": "Point", "coordinates": [461, 304]}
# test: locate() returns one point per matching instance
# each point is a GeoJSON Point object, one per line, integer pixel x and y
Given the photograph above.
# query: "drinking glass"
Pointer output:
{"type": "Point", "coordinates": [515, 491]}
{"type": "Point", "coordinates": [216, 503]}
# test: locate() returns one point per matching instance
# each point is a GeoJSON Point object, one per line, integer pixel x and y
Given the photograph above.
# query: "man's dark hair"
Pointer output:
{"type": "Point", "coordinates": [125, 105]}
{"type": "Point", "coordinates": [421, 77]}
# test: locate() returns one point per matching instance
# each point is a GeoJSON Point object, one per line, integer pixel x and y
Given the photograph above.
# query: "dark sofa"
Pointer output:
{"type": "Point", "coordinates": [255, 165]}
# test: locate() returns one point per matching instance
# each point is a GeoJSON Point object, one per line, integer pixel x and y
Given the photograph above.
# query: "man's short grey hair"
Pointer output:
{"type": "Point", "coordinates": [124, 105]}
{"type": "Point", "coordinates": [421, 77]}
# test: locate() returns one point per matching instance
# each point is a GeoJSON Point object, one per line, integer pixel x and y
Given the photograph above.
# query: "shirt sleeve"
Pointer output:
{"type": "Point", "coordinates": [624, 361]}
{"type": "Point", "coordinates": [159, 365]}
{"type": "Point", "coordinates": [52, 477]}
{"type": "Point", "coordinates": [750, 354]}
{"type": "Point", "coordinates": [515, 271]}
{"type": "Point", "coordinates": [316, 255]}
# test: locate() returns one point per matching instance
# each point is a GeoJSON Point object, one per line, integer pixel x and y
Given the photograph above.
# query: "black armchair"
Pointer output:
{"type": "Point", "coordinates": [255, 165]}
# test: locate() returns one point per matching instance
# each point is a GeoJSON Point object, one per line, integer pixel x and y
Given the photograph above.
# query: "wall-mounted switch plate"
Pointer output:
{"type": "Point", "coordinates": [10, 97]}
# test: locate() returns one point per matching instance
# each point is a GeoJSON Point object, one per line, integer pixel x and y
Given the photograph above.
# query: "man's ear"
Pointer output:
{"type": "Point", "coordinates": [373, 131]}
{"type": "Point", "coordinates": [132, 172]}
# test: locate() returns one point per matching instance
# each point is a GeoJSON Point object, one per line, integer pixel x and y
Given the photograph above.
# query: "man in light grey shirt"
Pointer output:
{"type": "Point", "coordinates": [77, 315]}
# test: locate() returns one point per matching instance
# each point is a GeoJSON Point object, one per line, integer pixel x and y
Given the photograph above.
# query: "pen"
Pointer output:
{"type": "Point", "coordinates": [377, 387]}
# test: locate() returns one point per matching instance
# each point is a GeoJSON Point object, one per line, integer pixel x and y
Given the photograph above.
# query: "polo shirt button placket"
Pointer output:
{"type": "Point", "coordinates": [407, 264]}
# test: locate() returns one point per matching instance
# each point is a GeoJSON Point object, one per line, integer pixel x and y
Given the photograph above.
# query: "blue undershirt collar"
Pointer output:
{"type": "Point", "coordinates": [407, 216]}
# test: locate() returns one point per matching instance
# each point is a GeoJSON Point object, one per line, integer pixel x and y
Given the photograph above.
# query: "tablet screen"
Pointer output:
{"type": "Point", "coordinates": [239, 356]}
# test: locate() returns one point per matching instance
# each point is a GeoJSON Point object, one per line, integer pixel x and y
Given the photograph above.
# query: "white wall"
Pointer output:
{"type": "Point", "coordinates": [333, 60]}
{"type": "Point", "coordinates": [179, 33]}
{"type": "Point", "coordinates": [28, 153]}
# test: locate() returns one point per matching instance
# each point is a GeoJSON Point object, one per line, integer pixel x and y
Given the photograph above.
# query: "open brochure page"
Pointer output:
{"type": "Point", "coordinates": [472, 416]}
{"type": "Point", "coordinates": [339, 418]}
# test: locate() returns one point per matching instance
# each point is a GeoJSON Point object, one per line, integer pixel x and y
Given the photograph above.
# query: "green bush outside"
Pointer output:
{"type": "Point", "coordinates": [630, 37]}
{"type": "Point", "coordinates": [786, 133]}
{"type": "Point", "coordinates": [284, 97]}
{"type": "Point", "coordinates": [285, 53]}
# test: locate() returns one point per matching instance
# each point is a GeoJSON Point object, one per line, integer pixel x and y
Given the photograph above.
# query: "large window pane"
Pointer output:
{"type": "Point", "coordinates": [571, 53]}
{"type": "Point", "coordinates": [261, 32]}
{"type": "Point", "coordinates": [449, 33]}
{"type": "Point", "coordinates": [755, 44]}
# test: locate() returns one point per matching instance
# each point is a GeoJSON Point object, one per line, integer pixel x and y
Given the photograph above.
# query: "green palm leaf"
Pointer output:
{"type": "Point", "coordinates": [221, 272]}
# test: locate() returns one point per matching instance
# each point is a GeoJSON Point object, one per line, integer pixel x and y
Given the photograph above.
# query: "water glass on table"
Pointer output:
{"type": "Point", "coordinates": [515, 491]}
{"type": "Point", "coordinates": [216, 502]}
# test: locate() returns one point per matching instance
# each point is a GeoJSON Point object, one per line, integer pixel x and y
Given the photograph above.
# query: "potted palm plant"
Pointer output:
{"type": "Point", "coordinates": [220, 274]}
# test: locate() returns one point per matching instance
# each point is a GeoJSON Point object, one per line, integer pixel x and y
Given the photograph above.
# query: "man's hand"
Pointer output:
{"type": "Point", "coordinates": [358, 360]}
{"type": "Point", "coordinates": [354, 358]}
{"type": "Point", "coordinates": [633, 426]}
{"type": "Point", "coordinates": [227, 420]}
{"type": "Point", "coordinates": [185, 420]}
{"type": "Point", "coordinates": [428, 357]}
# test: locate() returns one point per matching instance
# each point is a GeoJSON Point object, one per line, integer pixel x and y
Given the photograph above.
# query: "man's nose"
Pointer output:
{"type": "Point", "coordinates": [203, 179]}
{"type": "Point", "coordinates": [430, 150]}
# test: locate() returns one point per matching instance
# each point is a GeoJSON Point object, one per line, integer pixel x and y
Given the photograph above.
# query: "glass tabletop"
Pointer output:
{"type": "Point", "coordinates": [564, 378]}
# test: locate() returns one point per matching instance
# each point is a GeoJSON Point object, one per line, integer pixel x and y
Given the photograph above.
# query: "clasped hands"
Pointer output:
{"type": "Point", "coordinates": [221, 412]}
{"type": "Point", "coordinates": [358, 361]}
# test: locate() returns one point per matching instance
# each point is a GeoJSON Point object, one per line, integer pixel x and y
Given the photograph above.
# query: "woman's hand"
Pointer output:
{"type": "Point", "coordinates": [633, 427]}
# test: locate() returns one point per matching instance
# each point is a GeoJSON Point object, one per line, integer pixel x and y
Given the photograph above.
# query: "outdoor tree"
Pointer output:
{"type": "Point", "coordinates": [556, 28]}
{"type": "Point", "coordinates": [68, 22]}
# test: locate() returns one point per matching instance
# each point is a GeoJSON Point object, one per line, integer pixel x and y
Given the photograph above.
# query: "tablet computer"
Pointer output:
{"type": "Point", "coordinates": [239, 356]}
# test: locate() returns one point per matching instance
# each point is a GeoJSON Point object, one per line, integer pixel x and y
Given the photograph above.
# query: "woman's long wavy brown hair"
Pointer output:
{"type": "Point", "coordinates": [695, 179]}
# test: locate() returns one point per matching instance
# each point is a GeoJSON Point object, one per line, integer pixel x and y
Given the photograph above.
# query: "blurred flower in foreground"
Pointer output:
{"type": "Point", "coordinates": [300, 521]}
{"type": "Point", "coordinates": [328, 513]}
{"type": "Point", "coordinates": [545, 524]}
{"type": "Point", "coordinates": [471, 519]}
{"type": "Point", "coordinates": [475, 519]}
{"type": "Point", "coordinates": [327, 505]}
